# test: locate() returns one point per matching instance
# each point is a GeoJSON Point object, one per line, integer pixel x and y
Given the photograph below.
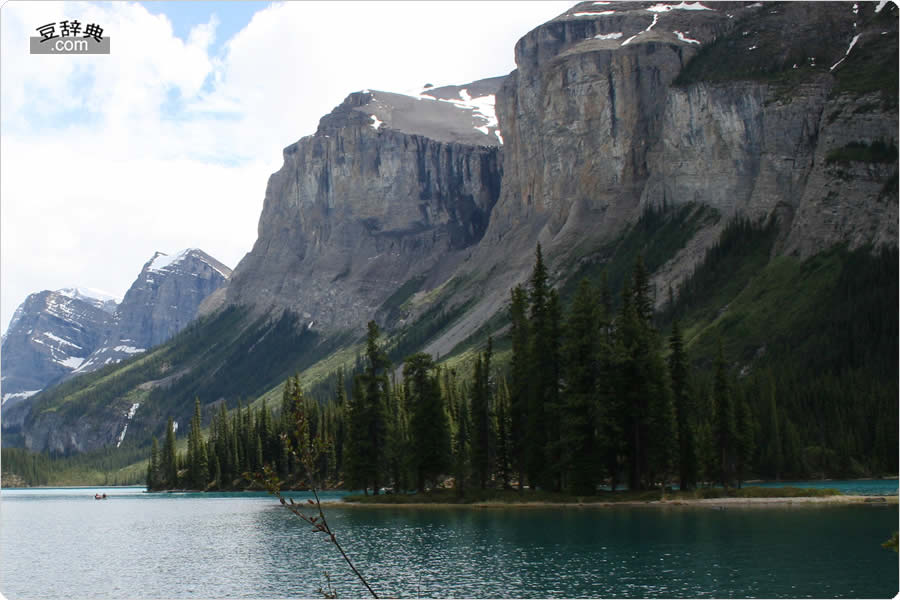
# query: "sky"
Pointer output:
{"type": "Point", "coordinates": [167, 142]}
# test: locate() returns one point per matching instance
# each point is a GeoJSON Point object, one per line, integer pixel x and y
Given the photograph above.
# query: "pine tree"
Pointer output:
{"type": "Point", "coordinates": [374, 409]}
{"type": "Point", "coordinates": [429, 427]}
{"type": "Point", "coordinates": [520, 336]}
{"type": "Point", "coordinates": [647, 408]}
{"type": "Point", "coordinates": [218, 473]}
{"type": "Point", "coordinates": [684, 410]}
{"type": "Point", "coordinates": [153, 468]}
{"type": "Point", "coordinates": [552, 363]}
{"type": "Point", "coordinates": [504, 441]}
{"type": "Point", "coordinates": [358, 451]}
{"type": "Point", "coordinates": [198, 464]}
{"type": "Point", "coordinates": [724, 423]}
{"type": "Point", "coordinates": [745, 430]}
{"type": "Point", "coordinates": [541, 423]}
{"type": "Point", "coordinates": [773, 457]}
{"type": "Point", "coordinates": [169, 458]}
{"type": "Point", "coordinates": [631, 351]}
{"type": "Point", "coordinates": [461, 452]}
{"type": "Point", "coordinates": [340, 435]}
{"type": "Point", "coordinates": [483, 443]}
{"type": "Point", "coordinates": [580, 354]}
{"type": "Point", "coordinates": [398, 452]}
{"type": "Point", "coordinates": [611, 409]}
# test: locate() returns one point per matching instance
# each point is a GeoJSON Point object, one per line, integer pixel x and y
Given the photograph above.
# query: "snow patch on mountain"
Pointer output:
{"type": "Point", "coordinates": [18, 395]}
{"type": "Point", "coordinates": [59, 340]}
{"type": "Point", "coordinates": [482, 108]}
{"type": "Point", "coordinates": [72, 362]}
{"type": "Point", "coordinates": [683, 6]}
{"type": "Point", "coordinates": [162, 261]}
{"type": "Point", "coordinates": [128, 349]}
{"type": "Point", "coordinates": [88, 294]}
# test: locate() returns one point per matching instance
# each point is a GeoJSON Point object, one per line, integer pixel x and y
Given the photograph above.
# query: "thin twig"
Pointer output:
{"type": "Point", "coordinates": [310, 452]}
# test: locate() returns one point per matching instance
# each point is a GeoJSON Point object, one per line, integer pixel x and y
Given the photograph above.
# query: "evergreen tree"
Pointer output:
{"type": "Point", "coordinates": [648, 411]}
{"type": "Point", "coordinates": [552, 363]}
{"type": "Point", "coordinates": [222, 448]}
{"type": "Point", "coordinates": [218, 473]}
{"type": "Point", "coordinates": [375, 399]}
{"type": "Point", "coordinates": [684, 410]}
{"type": "Point", "coordinates": [632, 349]}
{"type": "Point", "coordinates": [724, 424]}
{"type": "Point", "coordinates": [198, 465]}
{"type": "Point", "coordinates": [542, 385]}
{"type": "Point", "coordinates": [398, 442]}
{"type": "Point", "coordinates": [340, 434]}
{"type": "Point", "coordinates": [153, 468]}
{"type": "Point", "coordinates": [745, 431]}
{"type": "Point", "coordinates": [520, 336]}
{"type": "Point", "coordinates": [580, 354]}
{"type": "Point", "coordinates": [611, 409]}
{"type": "Point", "coordinates": [461, 452]}
{"type": "Point", "coordinates": [482, 422]}
{"type": "Point", "coordinates": [358, 450]}
{"type": "Point", "coordinates": [169, 458]}
{"type": "Point", "coordinates": [429, 427]}
{"type": "Point", "coordinates": [504, 441]}
{"type": "Point", "coordinates": [773, 458]}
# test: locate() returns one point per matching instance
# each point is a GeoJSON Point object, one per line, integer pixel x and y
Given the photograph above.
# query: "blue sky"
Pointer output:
{"type": "Point", "coordinates": [167, 142]}
{"type": "Point", "coordinates": [233, 15]}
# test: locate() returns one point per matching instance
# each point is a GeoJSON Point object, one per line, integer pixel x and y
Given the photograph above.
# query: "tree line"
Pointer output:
{"type": "Point", "coordinates": [590, 397]}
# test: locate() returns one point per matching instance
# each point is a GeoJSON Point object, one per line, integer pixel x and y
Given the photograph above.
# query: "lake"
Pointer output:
{"type": "Point", "coordinates": [61, 543]}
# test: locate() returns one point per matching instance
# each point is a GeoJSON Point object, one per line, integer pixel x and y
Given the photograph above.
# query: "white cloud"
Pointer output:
{"type": "Point", "coordinates": [162, 145]}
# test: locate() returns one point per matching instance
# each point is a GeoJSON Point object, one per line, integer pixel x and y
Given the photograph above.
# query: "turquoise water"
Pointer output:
{"type": "Point", "coordinates": [65, 544]}
{"type": "Point", "coordinates": [857, 487]}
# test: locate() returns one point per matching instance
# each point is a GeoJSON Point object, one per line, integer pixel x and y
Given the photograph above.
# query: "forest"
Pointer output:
{"type": "Point", "coordinates": [594, 396]}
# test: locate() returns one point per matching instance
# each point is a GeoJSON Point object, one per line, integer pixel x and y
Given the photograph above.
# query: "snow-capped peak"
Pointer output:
{"type": "Point", "coordinates": [86, 293]}
{"type": "Point", "coordinates": [161, 261]}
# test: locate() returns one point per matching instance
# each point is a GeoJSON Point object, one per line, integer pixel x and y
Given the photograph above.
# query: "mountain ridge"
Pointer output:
{"type": "Point", "coordinates": [78, 329]}
{"type": "Point", "coordinates": [598, 130]}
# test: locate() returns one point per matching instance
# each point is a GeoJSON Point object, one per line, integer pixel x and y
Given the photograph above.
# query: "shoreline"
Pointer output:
{"type": "Point", "coordinates": [713, 503]}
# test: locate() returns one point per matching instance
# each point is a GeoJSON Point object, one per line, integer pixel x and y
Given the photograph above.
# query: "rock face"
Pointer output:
{"type": "Point", "coordinates": [163, 299]}
{"type": "Point", "coordinates": [607, 115]}
{"type": "Point", "coordinates": [51, 335]}
{"type": "Point", "coordinates": [390, 188]}
{"type": "Point", "coordinates": [56, 335]}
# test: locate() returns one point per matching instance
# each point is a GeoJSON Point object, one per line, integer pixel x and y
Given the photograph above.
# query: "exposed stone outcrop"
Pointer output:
{"type": "Point", "coordinates": [164, 298]}
{"type": "Point", "coordinates": [389, 188]}
{"type": "Point", "coordinates": [599, 122]}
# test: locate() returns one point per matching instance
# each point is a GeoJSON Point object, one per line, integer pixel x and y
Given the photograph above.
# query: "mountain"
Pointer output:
{"type": "Point", "coordinates": [54, 336]}
{"type": "Point", "coordinates": [390, 189]}
{"type": "Point", "coordinates": [746, 151]}
{"type": "Point", "coordinates": [51, 335]}
{"type": "Point", "coordinates": [164, 298]}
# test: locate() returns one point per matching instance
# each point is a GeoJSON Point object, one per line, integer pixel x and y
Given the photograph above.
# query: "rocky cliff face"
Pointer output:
{"type": "Point", "coordinates": [164, 298]}
{"type": "Point", "coordinates": [608, 113]}
{"type": "Point", "coordinates": [51, 335]}
{"type": "Point", "coordinates": [389, 189]}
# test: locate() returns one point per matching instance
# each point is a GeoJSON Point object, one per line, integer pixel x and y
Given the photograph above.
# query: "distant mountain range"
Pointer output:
{"type": "Point", "coordinates": [55, 335]}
